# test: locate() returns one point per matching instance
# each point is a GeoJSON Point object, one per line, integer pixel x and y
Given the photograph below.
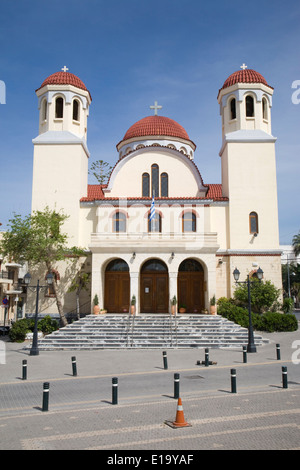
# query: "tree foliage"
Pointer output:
{"type": "Point", "coordinates": [263, 295]}
{"type": "Point", "coordinates": [100, 170]}
{"type": "Point", "coordinates": [296, 244]}
{"type": "Point", "coordinates": [38, 239]}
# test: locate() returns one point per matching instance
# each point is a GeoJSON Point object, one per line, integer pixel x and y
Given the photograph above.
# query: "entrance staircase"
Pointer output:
{"type": "Point", "coordinates": [116, 331]}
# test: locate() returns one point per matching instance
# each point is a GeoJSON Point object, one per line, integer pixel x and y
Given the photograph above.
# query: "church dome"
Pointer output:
{"type": "Point", "coordinates": [156, 126]}
{"type": "Point", "coordinates": [64, 78]}
{"type": "Point", "coordinates": [244, 76]}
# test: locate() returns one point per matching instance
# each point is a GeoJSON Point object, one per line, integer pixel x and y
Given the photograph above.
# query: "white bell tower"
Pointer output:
{"type": "Point", "coordinates": [248, 162]}
{"type": "Point", "coordinates": [60, 168]}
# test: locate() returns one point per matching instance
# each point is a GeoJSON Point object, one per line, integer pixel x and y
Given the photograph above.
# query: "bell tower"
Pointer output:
{"type": "Point", "coordinates": [248, 163]}
{"type": "Point", "coordinates": [60, 167]}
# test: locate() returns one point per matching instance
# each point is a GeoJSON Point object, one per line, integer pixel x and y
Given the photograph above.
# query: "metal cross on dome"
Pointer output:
{"type": "Point", "coordinates": [155, 107]}
{"type": "Point", "coordinates": [244, 66]}
{"type": "Point", "coordinates": [65, 68]}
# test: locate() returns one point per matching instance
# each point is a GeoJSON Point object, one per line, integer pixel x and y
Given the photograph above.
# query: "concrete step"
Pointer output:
{"type": "Point", "coordinates": [148, 331]}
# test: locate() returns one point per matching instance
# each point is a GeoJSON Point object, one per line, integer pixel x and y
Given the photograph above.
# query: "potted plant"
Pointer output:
{"type": "Point", "coordinates": [96, 308]}
{"type": "Point", "coordinates": [132, 305]}
{"type": "Point", "coordinates": [182, 308]}
{"type": "Point", "coordinates": [213, 305]}
{"type": "Point", "coordinates": [173, 305]}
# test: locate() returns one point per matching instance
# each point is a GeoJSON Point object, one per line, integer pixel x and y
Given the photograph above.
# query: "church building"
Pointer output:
{"type": "Point", "coordinates": [158, 229]}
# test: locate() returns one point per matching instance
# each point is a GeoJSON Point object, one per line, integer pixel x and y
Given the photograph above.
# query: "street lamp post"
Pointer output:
{"type": "Point", "coordinates": [34, 351]}
{"type": "Point", "coordinates": [251, 348]}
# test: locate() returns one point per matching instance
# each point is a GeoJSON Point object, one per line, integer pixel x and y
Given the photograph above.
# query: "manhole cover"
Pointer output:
{"type": "Point", "coordinates": [194, 377]}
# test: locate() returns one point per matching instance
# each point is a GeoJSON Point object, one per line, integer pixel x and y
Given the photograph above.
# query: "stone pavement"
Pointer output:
{"type": "Point", "coordinates": [261, 415]}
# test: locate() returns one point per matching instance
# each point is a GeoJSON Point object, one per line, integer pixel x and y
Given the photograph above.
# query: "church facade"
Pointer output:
{"type": "Point", "coordinates": [156, 229]}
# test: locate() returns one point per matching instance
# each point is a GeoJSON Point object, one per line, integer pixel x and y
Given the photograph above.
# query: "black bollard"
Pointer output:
{"type": "Point", "coordinates": [46, 387]}
{"type": "Point", "coordinates": [165, 359]}
{"type": "Point", "coordinates": [278, 351]}
{"type": "Point", "coordinates": [115, 391]}
{"type": "Point", "coordinates": [74, 366]}
{"type": "Point", "coordinates": [176, 385]}
{"type": "Point", "coordinates": [284, 377]}
{"type": "Point", "coordinates": [206, 357]}
{"type": "Point", "coordinates": [233, 380]}
{"type": "Point", "coordinates": [244, 354]}
{"type": "Point", "coordinates": [24, 369]}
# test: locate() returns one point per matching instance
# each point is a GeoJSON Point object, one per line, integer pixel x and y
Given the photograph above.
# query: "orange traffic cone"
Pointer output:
{"type": "Point", "coordinates": [180, 421]}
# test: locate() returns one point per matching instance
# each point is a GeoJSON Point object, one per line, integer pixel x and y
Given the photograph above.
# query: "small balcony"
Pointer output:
{"type": "Point", "coordinates": [6, 277]}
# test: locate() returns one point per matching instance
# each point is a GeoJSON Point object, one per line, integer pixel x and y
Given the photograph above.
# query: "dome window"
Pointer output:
{"type": "Point", "coordinates": [44, 110]}
{"type": "Point", "coordinates": [249, 106]}
{"type": "Point", "coordinates": [233, 109]}
{"type": "Point", "coordinates": [76, 110]}
{"type": "Point", "coordinates": [264, 109]}
{"type": "Point", "coordinates": [145, 185]}
{"type": "Point", "coordinates": [164, 184]}
{"type": "Point", "coordinates": [155, 180]}
{"type": "Point", "coordinates": [59, 108]}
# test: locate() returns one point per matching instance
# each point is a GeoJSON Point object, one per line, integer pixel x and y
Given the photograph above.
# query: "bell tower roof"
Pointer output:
{"type": "Point", "coordinates": [64, 78]}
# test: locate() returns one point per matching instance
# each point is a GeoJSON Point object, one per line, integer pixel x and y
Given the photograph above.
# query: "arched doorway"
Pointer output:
{"type": "Point", "coordinates": [154, 287]}
{"type": "Point", "coordinates": [117, 287]}
{"type": "Point", "coordinates": [191, 286]}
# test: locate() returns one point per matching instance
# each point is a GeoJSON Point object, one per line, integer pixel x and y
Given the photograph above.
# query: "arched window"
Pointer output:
{"type": "Point", "coordinates": [118, 265]}
{"type": "Point", "coordinates": [233, 109]}
{"type": "Point", "coordinates": [189, 222]}
{"type": "Point", "coordinates": [253, 222]}
{"type": "Point", "coordinates": [164, 184]}
{"type": "Point", "coordinates": [264, 108]}
{"type": "Point", "coordinates": [119, 222]}
{"type": "Point", "coordinates": [154, 225]}
{"type": "Point", "coordinates": [59, 108]}
{"type": "Point", "coordinates": [44, 110]}
{"type": "Point", "coordinates": [155, 180]}
{"type": "Point", "coordinates": [76, 109]}
{"type": "Point", "coordinates": [249, 106]}
{"type": "Point", "coordinates": [145, 185]}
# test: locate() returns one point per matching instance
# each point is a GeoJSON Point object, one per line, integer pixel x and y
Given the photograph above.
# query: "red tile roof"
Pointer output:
{"type": "Point", "coordinates": [95, 192]}
{"type": "Point", "coordinates": [156, 126]}
{"type": "Point", "coordinates": [244, 76]}
{"type": "Point", "coordinates": [63, 78]}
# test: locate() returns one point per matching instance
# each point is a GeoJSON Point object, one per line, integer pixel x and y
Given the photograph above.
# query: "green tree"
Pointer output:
{"type": "Point", "coordinates": [38, 239]}
{"type": "Point", "coordinates": [263, 295]}
{"type": "Point", "coordinates": [81, 281]}
{"type": "Point", "coordinates": [296, 244]}
{"type": "Point", "coordinates": [100, 170]}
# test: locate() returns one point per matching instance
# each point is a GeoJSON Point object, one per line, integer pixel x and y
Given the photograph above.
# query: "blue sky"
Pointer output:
{"type": "Point", "coordinates": [130, 53]}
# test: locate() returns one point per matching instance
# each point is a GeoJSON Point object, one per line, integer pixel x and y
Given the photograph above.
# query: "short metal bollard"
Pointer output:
{"type": "Point", "coordinates": [165, 360]}
{"type": "Point", "coordinates": [206, 357]}
{"type": "Point", "coordinates": [74, 366]}
{"type": "Point", "coordinates": [233, 380]}
{"type": "Point", "coordinates": [278, 351]}
{"type": "Point", "coordinates": [284, 377]}
{"type": "Point", "coordinates": [244, 354]}
{"type": "Point", "coordinates": [24, 370]}
{"type": "Point", "coordinates": [114, 390]}
{"type": "Point", "coordinates": [46, 387]}
{"type": "Point", "coordinates": [176, 385]}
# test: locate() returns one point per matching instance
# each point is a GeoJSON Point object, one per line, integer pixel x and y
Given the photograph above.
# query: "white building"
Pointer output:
{"type": "Point", "coordinates": [200, 231]}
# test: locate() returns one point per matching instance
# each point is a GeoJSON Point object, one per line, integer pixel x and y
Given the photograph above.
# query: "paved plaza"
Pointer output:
{"type": "Point", "coordinates": [262, 414]}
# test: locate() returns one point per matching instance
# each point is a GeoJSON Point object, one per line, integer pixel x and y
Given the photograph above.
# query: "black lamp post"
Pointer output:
{"type": "Point", "coordinates": [236, 274]}
{"type": "Point", "coordinates": [34, 351]}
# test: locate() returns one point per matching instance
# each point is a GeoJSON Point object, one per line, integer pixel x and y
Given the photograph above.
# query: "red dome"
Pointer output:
{"type": "Point", "coordinates": [156, 126]}
{"type": "Point", "coordinates": [64, 78]}
{"type": "Point", "coordinates": [245, 76]}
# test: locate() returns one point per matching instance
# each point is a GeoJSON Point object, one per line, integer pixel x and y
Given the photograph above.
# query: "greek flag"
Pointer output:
{"type": "Point", "coordinates": [152, 209]}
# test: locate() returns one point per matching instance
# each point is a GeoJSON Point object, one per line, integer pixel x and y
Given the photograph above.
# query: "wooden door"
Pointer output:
{"type": "Point", "coordinates": [117, 292]}
{"type": "Point", "coordinates": [154, 292]}
{"type": "Point", "coordinates": [191, 291]}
